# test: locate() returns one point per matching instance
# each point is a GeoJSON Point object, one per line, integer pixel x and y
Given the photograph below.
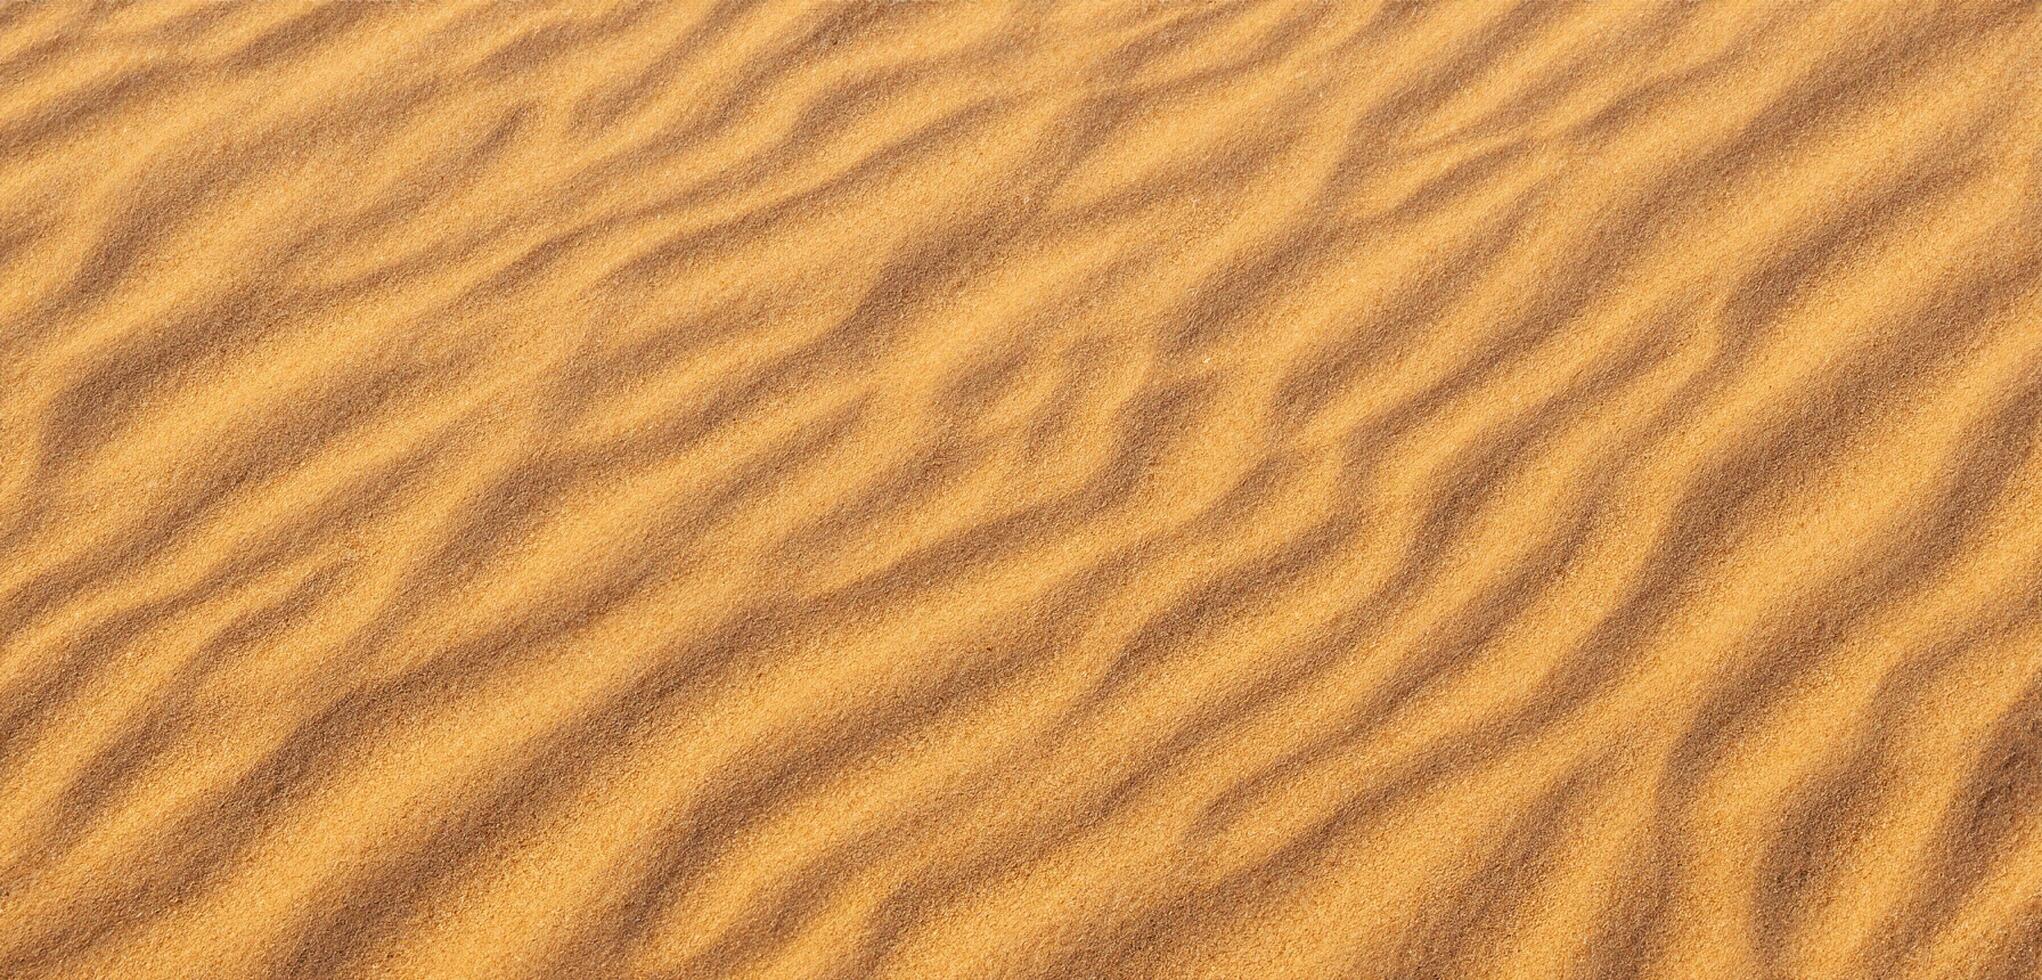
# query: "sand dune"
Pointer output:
{"type": "Point", "coordinates": [811, 488]}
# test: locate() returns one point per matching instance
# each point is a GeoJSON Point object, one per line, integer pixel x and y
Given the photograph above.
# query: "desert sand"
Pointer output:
{"type": "Point", "coordinates": [984, 489]}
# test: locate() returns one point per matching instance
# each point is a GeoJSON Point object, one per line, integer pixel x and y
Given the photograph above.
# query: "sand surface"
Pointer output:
{"type": "Point", "coordinates": [809, 489]}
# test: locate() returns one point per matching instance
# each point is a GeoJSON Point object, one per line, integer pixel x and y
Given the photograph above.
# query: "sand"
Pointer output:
{"type": "Point", "coordinates": [993, 489]}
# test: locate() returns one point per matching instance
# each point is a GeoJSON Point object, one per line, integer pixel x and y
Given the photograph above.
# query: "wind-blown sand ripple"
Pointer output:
{"type": "Point", "coordinates": [1021, 489]}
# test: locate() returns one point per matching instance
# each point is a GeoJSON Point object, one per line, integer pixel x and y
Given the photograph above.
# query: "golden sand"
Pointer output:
{"type": "Point", "coordinates": [1021, 489]}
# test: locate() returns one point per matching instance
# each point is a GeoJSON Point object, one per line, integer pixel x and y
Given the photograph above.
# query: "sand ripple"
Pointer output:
{"type": "Point", "coordinates": [822, 488]}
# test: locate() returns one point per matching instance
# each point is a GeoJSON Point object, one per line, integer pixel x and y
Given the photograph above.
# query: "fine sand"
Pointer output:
{"type": "Point", "coordinates": [984, 489]}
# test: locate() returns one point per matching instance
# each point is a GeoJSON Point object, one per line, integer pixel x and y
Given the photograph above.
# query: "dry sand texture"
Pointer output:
{"type": "Point", "coordinates": [1009, 489]}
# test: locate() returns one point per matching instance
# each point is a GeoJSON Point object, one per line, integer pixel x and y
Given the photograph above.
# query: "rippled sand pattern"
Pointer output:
{"type": "Point", "coordinates": [1021, 489]}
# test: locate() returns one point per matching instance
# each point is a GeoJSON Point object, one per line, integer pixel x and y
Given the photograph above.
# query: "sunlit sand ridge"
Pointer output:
{"type": "Point", "coordinates": [978, 489]}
